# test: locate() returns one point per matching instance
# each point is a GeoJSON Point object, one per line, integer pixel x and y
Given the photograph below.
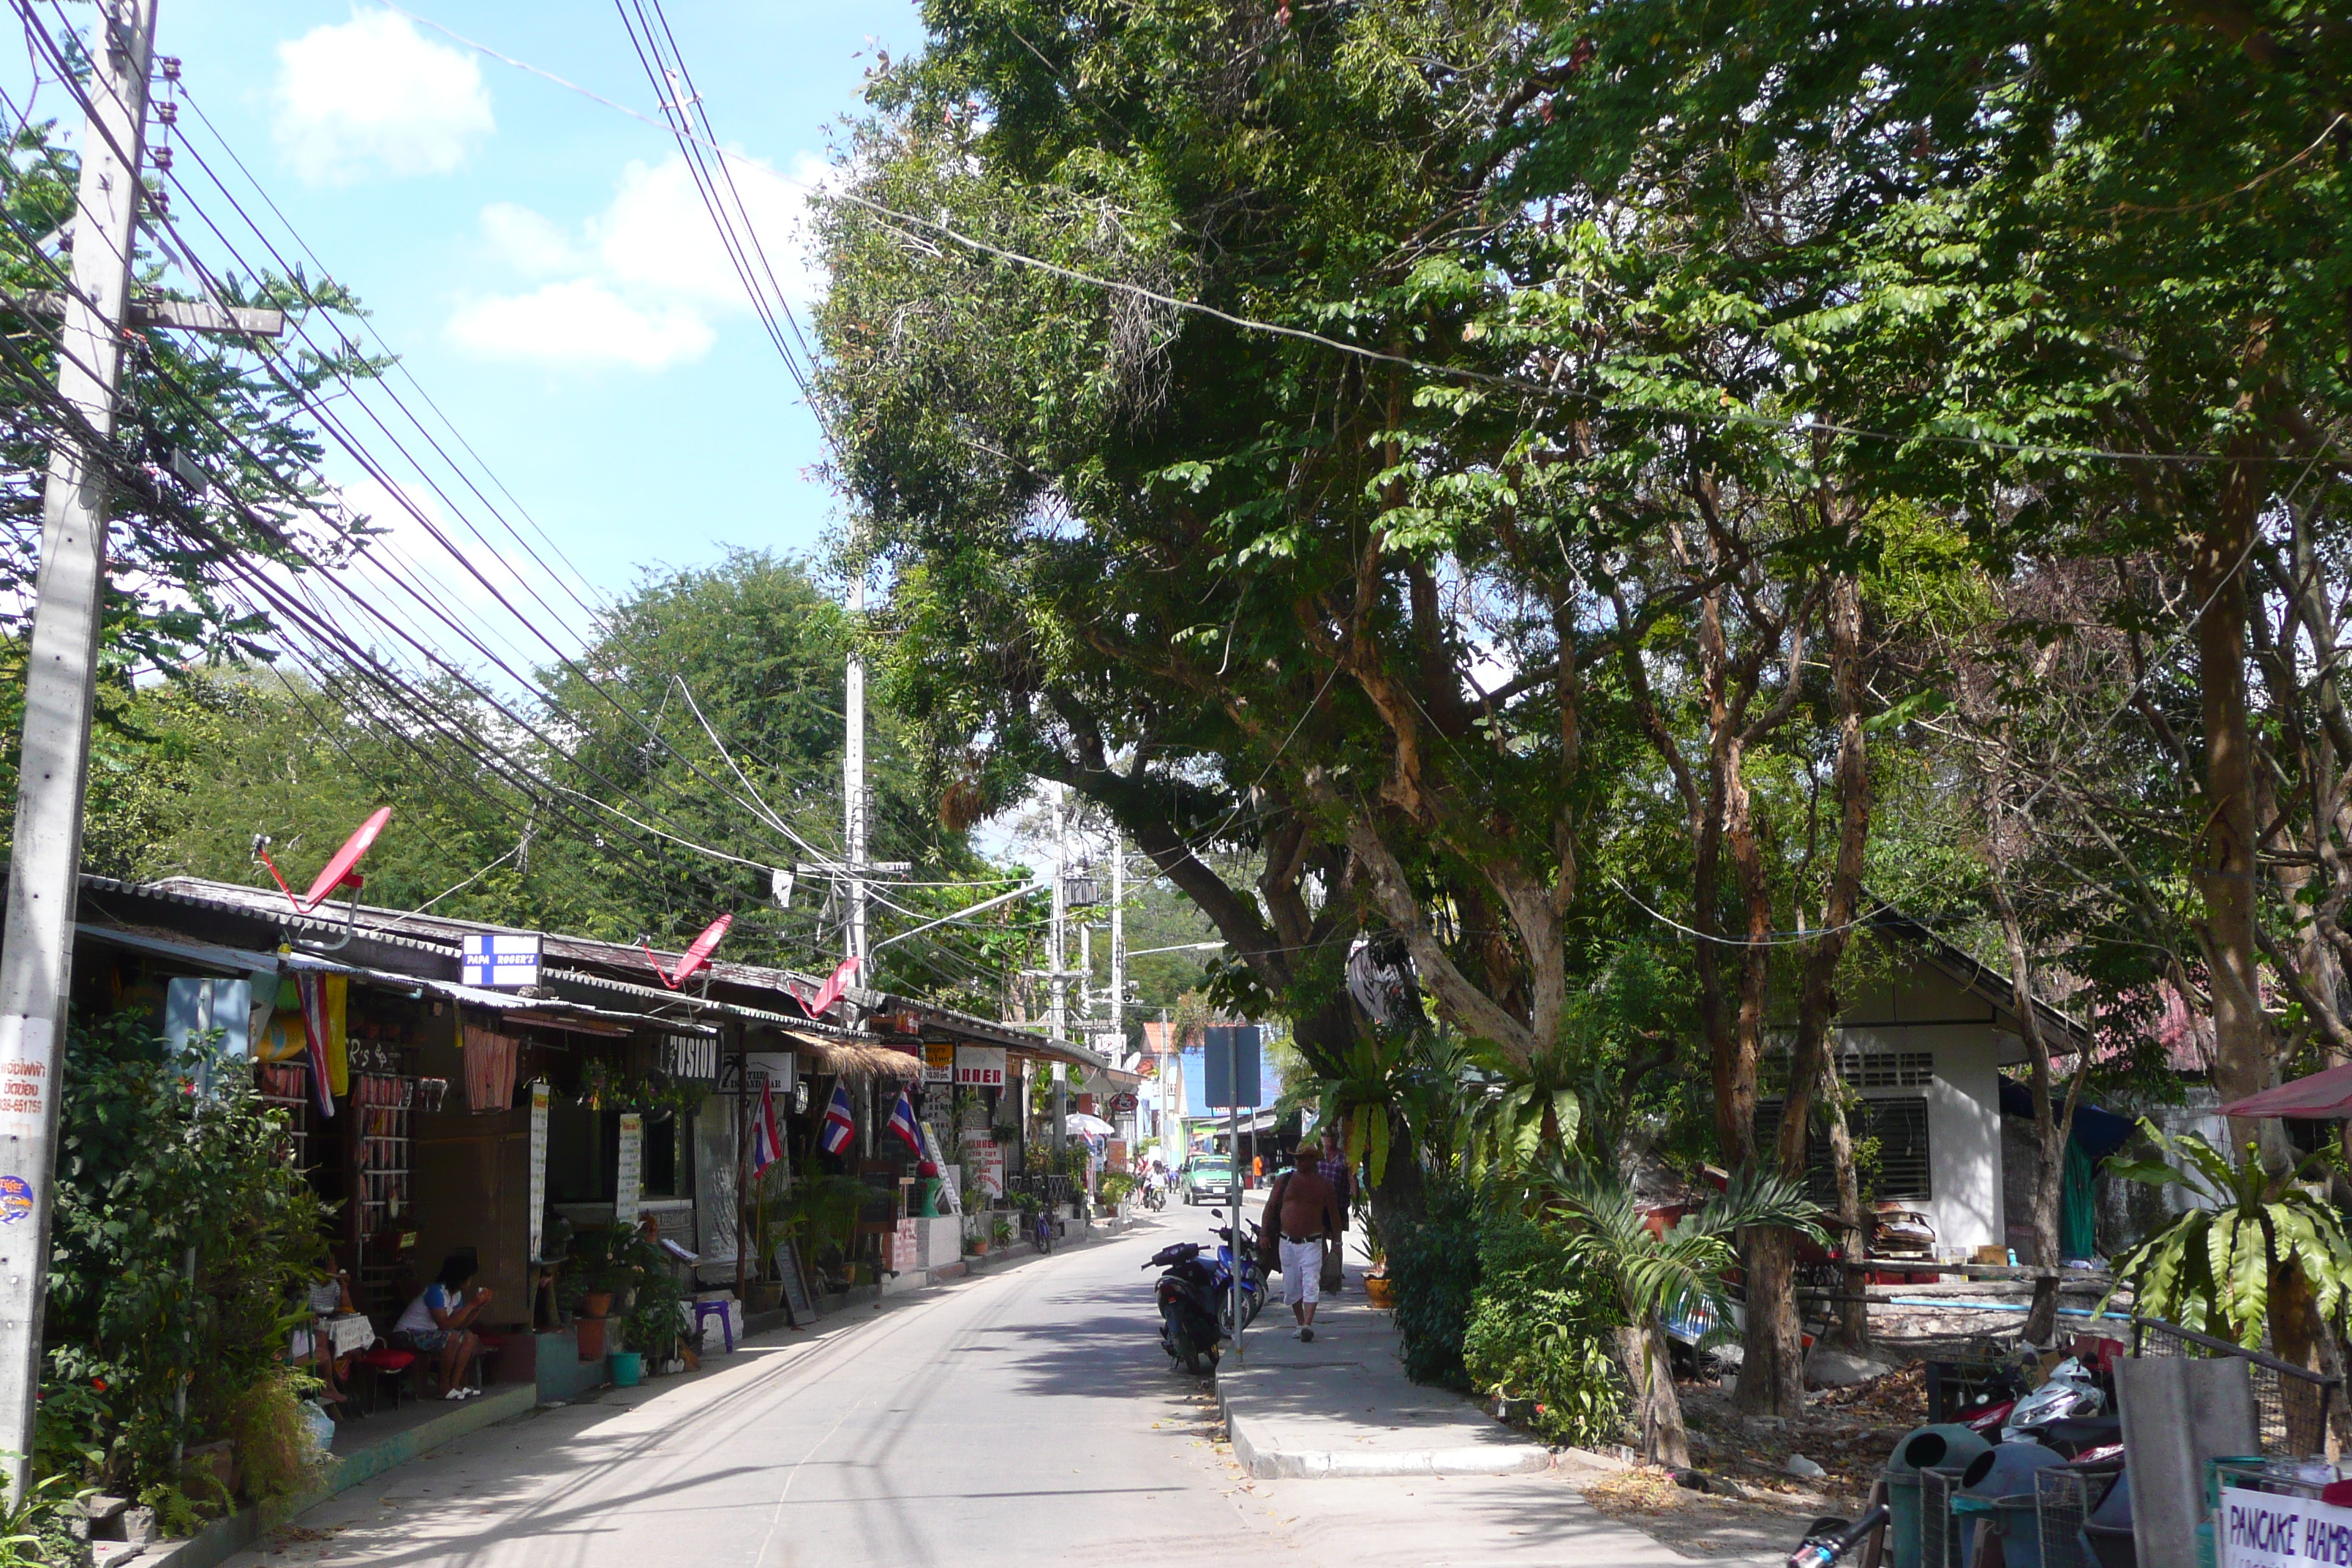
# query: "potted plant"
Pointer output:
{"type": "Point", "coordinates": [600, 1271]}
{"type": "Point", "coordinates": [1380, 1290]}
{"type": "Point", "coordinates": [1002, 1230]}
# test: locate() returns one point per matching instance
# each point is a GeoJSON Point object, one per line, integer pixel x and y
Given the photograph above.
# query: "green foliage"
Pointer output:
{"type": "Point", "coordinates": [149, 1169]}
{"type": "Point", "coordinates": [1540, 1328]}
{"type": "Point", "coordinates": [820, 1214]}
{"type": "Point", "coordinates": [276, 1456]}
{"type": "Point", "coordinates": [1436, 1264]}
{"type": "Point", "coordinates": [1655, 1276]}
{"type": "Point", "coordinates": [2215, 1268]}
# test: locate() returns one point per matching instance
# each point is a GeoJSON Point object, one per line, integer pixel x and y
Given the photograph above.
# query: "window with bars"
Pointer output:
{"type": "Point", "coordinates": [1887, 1069]}
{"type": "Point", "coordinates": [1900, 1127]}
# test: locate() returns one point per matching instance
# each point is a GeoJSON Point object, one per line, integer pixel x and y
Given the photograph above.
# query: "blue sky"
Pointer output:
{"type": "Point", "coordinates": [538, 259]}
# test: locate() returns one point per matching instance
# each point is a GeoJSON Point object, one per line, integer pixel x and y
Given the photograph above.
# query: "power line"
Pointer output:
{"type": "Point", "coordinates": [1540, 391]}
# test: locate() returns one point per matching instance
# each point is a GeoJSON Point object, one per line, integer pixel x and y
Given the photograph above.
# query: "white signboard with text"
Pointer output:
{"type": "Point", "coordinates": [981, 1067]}
{"type": "Point", "coordinates": [501, 960]}
{"type": "Point", "coordinates": [2261, 1530]}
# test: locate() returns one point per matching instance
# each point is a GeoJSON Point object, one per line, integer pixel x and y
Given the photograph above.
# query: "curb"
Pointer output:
{"type": "Point", "coordinates": [1266, 1463]}
{"type": "Point", "coordinates": [225, 1537]}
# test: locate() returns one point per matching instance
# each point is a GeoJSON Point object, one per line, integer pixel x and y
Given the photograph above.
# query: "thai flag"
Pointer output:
{"type": "Point", "coordinates": [766, 1147]}
{"type": "Point", "coordinates": [902, 1126]}
{"type": "Point", "coordinates": [840, 1126]}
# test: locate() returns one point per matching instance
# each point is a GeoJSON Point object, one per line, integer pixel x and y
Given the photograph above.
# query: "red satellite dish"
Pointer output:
{"type": "Point", "coordinates": [698, 955]}
{"type": "Point", "coordinates": [342, 870]}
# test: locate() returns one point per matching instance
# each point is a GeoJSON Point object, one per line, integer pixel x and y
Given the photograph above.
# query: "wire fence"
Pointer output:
{"type": "Point", "coordinates": [2292, 1403]}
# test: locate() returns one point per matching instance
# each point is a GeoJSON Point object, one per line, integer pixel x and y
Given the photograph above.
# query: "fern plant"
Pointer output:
{"type": "Point", "coordinates": [2241, 1263]}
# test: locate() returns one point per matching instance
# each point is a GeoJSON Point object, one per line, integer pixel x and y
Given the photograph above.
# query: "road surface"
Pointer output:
{"type": "Point", "coordinates": [1023, 1418]}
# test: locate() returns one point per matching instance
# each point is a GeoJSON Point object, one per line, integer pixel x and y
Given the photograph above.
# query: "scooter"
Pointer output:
{"type": "Point", "coordinates": [1253, 1275]}
{"type": "Point", "coordinates": [1188, 1294]}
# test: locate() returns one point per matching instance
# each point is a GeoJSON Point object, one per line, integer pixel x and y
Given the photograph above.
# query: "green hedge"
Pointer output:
{"type": "Point", "coordinates": [1543, 1330]}
{"type": "Point", "coordinates": [1435, 1266]}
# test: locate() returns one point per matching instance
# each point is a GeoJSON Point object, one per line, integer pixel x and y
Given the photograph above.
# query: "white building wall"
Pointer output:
{"type": "Point", "coordinates": [1963, 1123]}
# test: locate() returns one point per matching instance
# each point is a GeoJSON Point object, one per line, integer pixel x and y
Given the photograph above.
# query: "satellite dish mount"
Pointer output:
{"type": "Point", "coordinates": [342, 870]}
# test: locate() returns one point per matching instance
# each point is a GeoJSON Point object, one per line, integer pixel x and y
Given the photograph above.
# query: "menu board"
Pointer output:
{"type": "Point", "coordinates": [628, 1188]}
{"type": "Point", "coordinates": [538, 1109]}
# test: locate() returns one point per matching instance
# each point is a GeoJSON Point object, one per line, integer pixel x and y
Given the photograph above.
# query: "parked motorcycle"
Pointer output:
{"type": "Point", "coordinates": [1253, 1274]}
{"type": "Point", "coordinates": [1189, 1295]}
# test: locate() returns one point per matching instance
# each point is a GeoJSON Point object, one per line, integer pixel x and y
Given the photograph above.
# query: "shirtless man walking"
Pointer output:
{"type": "Point", "coordinates": [1302, 1209]}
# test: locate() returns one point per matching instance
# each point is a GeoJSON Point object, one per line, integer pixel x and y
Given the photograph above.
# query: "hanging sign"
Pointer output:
{"type": "Point", "coordinates": [980, 1066]}
{"type": "Point", "coordinates": [939, 1064]}
{"type": "Point", "coordinates": [632, 1173]}
{"type": "Point", "coordinates": [501, 960]}
{"type": "Point", "coordinates": [690, 1056]}
{"type": "Point", "coordinates": [540, 1102]}
{"type": "Point", "coordinates": [754, 1071]}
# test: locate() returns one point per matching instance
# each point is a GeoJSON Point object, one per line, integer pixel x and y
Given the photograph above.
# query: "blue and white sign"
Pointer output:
{"type": "Point", "coordinates": [506, 961]}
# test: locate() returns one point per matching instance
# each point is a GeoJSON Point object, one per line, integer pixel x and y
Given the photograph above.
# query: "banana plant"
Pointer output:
{"type": "Point", "coordinates": [2222, 1268]}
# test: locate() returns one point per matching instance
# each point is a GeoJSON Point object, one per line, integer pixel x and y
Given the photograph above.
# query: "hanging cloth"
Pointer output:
{"type": "Point", "coordinates": [489, 1069]}
{"type": "Point", "coordinates": [338, 989]}
{"type": "Point", "coordinates": [311, 990]}
{"type": "Point", "coordinates": [281, 1036]}
{"type": "Point", "coordinates": [2077, 1205]}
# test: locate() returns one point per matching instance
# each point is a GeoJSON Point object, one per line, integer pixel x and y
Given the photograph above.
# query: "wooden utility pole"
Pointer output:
{"type": "Point", "coordinates": [36, 942]}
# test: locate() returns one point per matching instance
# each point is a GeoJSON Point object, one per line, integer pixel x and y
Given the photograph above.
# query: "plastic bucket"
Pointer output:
{"type": "Point", "coordinates": [1945, 1445]}
{"type": "Point", "coordinates": [628, 1368]}
{"type": "Point", "coordinates": [2019, 1522]}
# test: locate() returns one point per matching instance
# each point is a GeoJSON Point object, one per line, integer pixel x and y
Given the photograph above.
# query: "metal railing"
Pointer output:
{"type": "Point", "coordinates": [2291, 1403]}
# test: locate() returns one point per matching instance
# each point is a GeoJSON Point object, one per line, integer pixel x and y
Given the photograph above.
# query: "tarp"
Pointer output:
{"type": "Point", "coordinates": [2325, 1096]}
{"type": "Point", "coordinates": [2098, 1133]}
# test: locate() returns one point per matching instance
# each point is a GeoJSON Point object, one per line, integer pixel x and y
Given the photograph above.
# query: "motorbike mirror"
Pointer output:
{"type": "Point", "coordinates": [1216, 1214]}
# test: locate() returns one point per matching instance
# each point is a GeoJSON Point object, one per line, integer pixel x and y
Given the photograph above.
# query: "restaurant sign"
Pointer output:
{"type": "Point", "coordinates": [980, 1066]}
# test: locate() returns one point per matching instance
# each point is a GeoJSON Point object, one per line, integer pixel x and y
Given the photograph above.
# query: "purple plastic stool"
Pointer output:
{"type": "Point", "coordinates": [703, 1310]}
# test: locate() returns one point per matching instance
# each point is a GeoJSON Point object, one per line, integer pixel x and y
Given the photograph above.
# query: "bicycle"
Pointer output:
{"type": "Point", "coordinates": [1041, 1230]}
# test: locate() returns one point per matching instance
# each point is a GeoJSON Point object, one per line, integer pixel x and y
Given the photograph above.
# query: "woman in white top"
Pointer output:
{"type": "Point", "coordinates": [440, 1322]}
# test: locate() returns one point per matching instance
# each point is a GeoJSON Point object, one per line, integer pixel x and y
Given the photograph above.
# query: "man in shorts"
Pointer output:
{"type": "Point", "coordinates": [1303, 1210]}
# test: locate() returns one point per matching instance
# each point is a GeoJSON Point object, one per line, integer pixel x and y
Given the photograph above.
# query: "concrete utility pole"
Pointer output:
{"type": "Point", "coordinates": [852, 780]}
{"type": "Point", "coordinates": [36, 942]}
{"type": "Point", "coordinates": [1119, 975]}
{"type": "Point", "coordinates": [1054, 955]}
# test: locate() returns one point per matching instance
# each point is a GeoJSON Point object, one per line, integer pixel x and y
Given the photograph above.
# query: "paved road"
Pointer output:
{"type": "Point", "coordinates": [1024, 1418]}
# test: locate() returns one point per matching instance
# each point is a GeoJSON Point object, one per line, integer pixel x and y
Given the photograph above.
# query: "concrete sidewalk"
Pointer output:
{"type": "Point", "coordinates": [1343, 1406]}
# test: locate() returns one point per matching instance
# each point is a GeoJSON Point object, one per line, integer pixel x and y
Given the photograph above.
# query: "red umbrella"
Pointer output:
{"type": "Point", "coordinates": [2325, 1096]}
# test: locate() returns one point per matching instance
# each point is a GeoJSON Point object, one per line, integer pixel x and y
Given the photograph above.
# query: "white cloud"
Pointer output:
{"type": "Point", "coordinates": [646, 282]}
{"type": "Point", "coordinates": [526, 242]}
{"type": "Point", "coordinates": [580, 322]}
{"type": "Point", "coordinates": [372, 96]}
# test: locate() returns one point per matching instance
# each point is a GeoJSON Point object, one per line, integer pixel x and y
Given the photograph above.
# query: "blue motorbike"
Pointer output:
{"type": "Point", "coordinates": [1253, 1275]}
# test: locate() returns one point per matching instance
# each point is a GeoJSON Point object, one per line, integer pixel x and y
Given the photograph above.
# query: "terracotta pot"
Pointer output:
{"type": "Point", "coordinates": [597, 1304]}
{"type": "Point", "coordinates": [591, 1332]}
{"type": "Point", "coordinates": [1380, 1290]}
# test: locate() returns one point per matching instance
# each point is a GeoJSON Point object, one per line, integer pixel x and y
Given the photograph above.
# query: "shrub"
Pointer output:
{"type": "Point", "coordinates": [159, 1159]}
{"type": "Point", "coordinates": [1541, 1328]}
{"type": "Point", "coordinates": [1434, 1263]}
{"type": "Point", "coordinates": [275, 1453]}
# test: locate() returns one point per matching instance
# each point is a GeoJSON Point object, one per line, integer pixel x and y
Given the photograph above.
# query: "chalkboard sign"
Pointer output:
{"type": "Point", "coordinates": [798, 1307]}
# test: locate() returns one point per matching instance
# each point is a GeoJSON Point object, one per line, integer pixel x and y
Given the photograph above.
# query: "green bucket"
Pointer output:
{"type": "Point", "coordinates": [628, 1368]}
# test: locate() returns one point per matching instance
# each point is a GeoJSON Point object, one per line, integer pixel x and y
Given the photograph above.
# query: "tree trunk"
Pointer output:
{"type": "Point", "coordinates": [2297, 1337]}
{"type": "Point", "coordinates": [1772, 1378]}
{"type": "Point", "coordinates": [1657, 1408]}
{"type": "Point", "coordinates": [1853, 1329]}
{"type": "Point", "coordinates": [2225, 847]}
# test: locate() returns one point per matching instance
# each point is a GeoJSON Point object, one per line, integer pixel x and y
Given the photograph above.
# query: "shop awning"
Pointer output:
{"type": "Point", "coordinates": [2325, 1096]}
{"type": "Point", "coordinates": [235, 960]}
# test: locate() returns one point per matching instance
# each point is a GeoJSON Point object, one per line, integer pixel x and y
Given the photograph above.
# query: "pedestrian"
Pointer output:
{"type": "Point", "coordinates": [1333, 1167]}
{"type": "Point", "coordinates": [1304, 1211]}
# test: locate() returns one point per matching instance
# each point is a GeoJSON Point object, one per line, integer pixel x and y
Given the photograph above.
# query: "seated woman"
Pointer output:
{"type": "Point", "coordinates": [329, 1296]}
{"type": "Point", "coordinates": [440, 1322]}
